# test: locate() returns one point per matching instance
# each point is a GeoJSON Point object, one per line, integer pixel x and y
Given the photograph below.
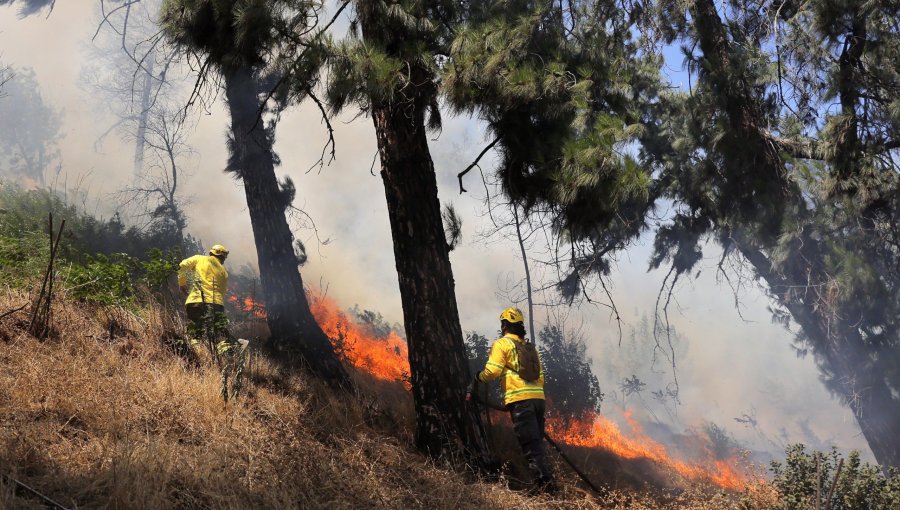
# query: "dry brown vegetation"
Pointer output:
{"type": "Point", "coordinates": [125, 423]}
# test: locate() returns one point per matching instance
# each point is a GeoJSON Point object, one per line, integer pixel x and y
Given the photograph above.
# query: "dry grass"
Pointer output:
{"type": "Point", "coordinates": [95, 423]}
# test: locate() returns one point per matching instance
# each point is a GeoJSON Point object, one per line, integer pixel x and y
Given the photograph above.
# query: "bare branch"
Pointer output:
{"type": "Point", "coordinates": [321, 162]}
{"type": "Point", "coordinates": [475, 164]}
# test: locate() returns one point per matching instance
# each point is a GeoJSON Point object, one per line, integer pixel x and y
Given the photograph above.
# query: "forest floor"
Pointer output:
{"type": "Point", "coordinates": [94, 421]}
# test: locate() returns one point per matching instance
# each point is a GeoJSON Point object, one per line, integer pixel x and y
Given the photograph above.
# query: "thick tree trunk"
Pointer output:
{"type": "Point", "coordinates": [446, 425]}
{"type": "Point", "coordinates": [857, 371]}
{"type": "Point", "coordinates": [293, 328]}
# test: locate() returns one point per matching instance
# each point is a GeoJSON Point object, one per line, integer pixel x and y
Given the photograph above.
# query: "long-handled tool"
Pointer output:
{"type": "Point", "coordinates": [600, 491]}
{"type": "Point", "coordinates": [49, 503]}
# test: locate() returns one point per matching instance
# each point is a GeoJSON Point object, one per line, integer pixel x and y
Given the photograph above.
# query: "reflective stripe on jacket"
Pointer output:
{"type": "Point", "coordinates": [504, 362]}
{"type": "Point", "coordinates": [207, 277]}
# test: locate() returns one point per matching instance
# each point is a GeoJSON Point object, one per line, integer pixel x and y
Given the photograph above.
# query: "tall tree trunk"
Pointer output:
{"type": "Point", "coordinates": [293, 328]}
{"type": "Point", "coordinates": [446, 425]}
{"type": "Point", "coordinates": [859, 372]}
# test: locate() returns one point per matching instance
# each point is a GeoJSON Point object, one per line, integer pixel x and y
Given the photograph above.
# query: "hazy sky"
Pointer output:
{"type": "Point", "coordinates": [727, 366]}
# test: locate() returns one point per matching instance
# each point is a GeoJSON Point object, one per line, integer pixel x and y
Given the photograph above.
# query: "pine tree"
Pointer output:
{"type": "Point", "coordinates": [561, 94]}
{"type": "Point", "coordinates": [390, 68]}
{"type": "Point", "coordinates": [806, 194]}
{"type": "Point", "coordinates": [240, 40]}
{"type": "Point", "coordinates": [754, 156]}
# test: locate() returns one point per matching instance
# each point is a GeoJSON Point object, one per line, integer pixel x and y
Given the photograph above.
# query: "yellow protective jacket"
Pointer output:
{"type": "Point", "coordinates": [503, 362]}
{"type": "Point", "coordinates": [207, 277]}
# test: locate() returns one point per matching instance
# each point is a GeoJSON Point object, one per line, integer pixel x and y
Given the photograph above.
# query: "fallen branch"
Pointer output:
{"type": "Point", "coordinates": [14, 310]}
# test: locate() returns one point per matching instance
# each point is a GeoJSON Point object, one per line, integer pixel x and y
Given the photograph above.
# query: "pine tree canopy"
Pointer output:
{"type": "Point", "coordinates": [564, 88]}
{"type": "Point", "coordinates": [783, 149]}
{"type": "Point", "coordinates": [394, 54]}
{"type": "Point", "coordinates": [29, 7]}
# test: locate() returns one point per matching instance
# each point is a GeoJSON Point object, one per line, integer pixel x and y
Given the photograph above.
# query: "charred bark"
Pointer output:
{"type": "Point", "coordinates": [857, 369]}
{"type": "Point", "coordinates": [291, 323]}
{"type": "Point", "coordinates": [446, 425]}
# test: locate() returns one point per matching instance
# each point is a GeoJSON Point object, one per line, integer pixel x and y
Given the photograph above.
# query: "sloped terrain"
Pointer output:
{"type": "Point", "coordinates": [94, 420]}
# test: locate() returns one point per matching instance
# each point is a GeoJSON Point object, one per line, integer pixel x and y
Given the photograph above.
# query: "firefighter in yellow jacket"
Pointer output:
{"type": "Point", "coordinates": [515, 361]}
{"type": "Point", "coordinates": [204, 279]}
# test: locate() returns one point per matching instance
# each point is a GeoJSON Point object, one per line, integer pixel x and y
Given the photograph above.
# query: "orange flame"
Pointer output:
{"type": "Point", "coordinates": [385, 359]}
{"type": "Point", "coordinates": [249, 305]}
{"type": "Point", "coordinates": [600, 432]}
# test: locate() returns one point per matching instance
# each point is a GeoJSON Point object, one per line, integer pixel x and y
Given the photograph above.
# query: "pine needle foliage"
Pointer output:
{"type": "Point", "coordinates": [563, 87]}
{"type": "Point", "coordinates": [397, 61]}
{"type": "Point", "coordinates": [784, 150]}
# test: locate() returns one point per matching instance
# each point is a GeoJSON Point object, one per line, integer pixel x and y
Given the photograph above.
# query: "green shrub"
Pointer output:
{"type": "Point", "coordinates": [103, 260]}
{"type": "Point", "coordinates": [860, 486]}
{"type": "Point", "coordinates": [23, 258]}
{"type": "Point", "coordinates": [160, 265]}
{"type": "Point", "coordinates": [103, 280]}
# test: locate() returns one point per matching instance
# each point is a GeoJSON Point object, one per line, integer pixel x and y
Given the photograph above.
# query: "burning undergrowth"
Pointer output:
{"type": "Point", "coordinates": [363, 340]}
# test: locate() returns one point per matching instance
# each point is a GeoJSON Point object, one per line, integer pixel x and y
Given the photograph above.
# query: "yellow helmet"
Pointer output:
{"type": "Point", "coordinates": [219, 251]}
{"type": "Point", "coordinates": [512, 315]}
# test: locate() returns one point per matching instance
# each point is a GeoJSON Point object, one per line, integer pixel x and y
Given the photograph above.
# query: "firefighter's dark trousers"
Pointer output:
{"type": "Point", "coordinates": [207, 320]}
{"type": "Point", "coordinates": [528, 423]}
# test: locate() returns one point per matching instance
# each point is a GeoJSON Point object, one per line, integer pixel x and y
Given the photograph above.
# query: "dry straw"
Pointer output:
{"type": "Point", "coordinates": [94, 420]}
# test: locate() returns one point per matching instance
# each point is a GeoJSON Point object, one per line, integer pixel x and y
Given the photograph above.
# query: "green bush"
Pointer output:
{"type": "Point", "coordinates": [23, 258]}
{"type": "Point", "coordinates": [860, 486]}
{"type": "Point", "coordinates": [103, 260]}
{"type": "Point", "coordinates": [160, 265]}
{"type": "Point", "coordinates": [103, 280]}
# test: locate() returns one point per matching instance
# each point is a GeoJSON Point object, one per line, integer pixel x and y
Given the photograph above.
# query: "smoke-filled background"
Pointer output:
{"type": "Point", "coordinates": [735, 368]}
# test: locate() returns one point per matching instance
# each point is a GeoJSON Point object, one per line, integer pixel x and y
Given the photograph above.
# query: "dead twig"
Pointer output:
{"type": "Point", "coordinates": [475, 164]}
{"type": "Point", "coordinates": [41, 308]}
{"type": "Point", "coordinates": [14, 310]}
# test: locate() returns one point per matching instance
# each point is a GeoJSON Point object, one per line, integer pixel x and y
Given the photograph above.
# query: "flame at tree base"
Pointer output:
{"type": "Point", "coordinates": [386, 359]}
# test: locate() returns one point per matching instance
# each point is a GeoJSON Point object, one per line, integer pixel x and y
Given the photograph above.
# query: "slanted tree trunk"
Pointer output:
{"type": "Point", "coordinates": [293, 328]}
{"type": "Point", "coordinates": [855, 369]}
{"type": "Point", "coordinates": [446, 425]}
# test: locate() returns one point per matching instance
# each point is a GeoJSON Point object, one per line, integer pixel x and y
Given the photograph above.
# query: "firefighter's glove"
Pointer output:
{"type": "Point", "coordinates": [470, 389]}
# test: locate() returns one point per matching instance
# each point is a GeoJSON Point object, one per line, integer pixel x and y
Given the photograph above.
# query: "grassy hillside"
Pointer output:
{"type": "Point", "coordinates": [94, 422]}
{"type": "Point", "coordinates": [105, 414]}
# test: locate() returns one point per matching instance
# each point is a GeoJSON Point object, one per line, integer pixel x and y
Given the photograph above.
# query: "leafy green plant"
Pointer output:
{"type": "Point", "coordinates": [840, 484]}
{"type": "Point", "coordinates": [160, 265]}
{"type": "Point", "coordinates": [23, 258]}
{"type": "Point", "coordinates": [105, 280]}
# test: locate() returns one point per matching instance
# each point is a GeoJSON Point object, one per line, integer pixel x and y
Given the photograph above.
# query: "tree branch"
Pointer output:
{"type": "Point", "coordinates": [475, 164]}
{"type": "Point", "coordinates": [328, 125]}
